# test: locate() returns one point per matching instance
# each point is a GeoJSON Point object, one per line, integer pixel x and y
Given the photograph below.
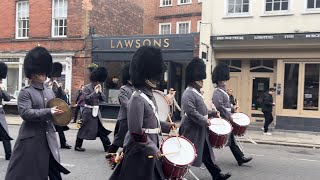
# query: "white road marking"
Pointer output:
{"type": "Point", "coordinates": [310, 160]}
{"type": "Point", "coordinates": [67, 165]}
{"type": "Point", "coordinates": [2, 157]}
{"type": "Point", "coordinates": [259, 155]}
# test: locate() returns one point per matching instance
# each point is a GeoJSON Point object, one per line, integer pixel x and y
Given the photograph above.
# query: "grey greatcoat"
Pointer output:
{"type": "Point", "coordinates": [194, 124]}
{"type": "Point", "coordinates": [37, 137]}
{"type": "Point", "coordinates": [6, 97]}
{"type": "Point", "coordinates": [89, 126]}
{"type": "Point", "coordinates": [139, 145]}
{"type": "Point", "coordinates": [124, 96]}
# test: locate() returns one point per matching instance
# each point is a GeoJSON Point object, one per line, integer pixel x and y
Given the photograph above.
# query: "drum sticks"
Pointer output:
{"type": "Point", "coordinates": [174, 130]}
{"type": "Point", "coordinates": [150, 157]}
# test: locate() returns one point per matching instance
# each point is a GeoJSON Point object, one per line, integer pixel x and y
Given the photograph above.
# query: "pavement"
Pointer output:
{"type": "Point", "coordinates": [253, 134]}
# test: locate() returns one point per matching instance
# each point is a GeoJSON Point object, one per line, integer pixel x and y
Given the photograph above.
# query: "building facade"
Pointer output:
{"type": "Point", "coordinates": [268, 43]}
{"type": "Point", "coordinates": [66, 29]}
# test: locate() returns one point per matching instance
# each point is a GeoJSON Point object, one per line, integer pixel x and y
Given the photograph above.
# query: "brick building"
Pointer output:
{"type": "Point", "coordinates": [65, 28]}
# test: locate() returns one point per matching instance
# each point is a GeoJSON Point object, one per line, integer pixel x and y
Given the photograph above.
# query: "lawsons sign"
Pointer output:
{"type": "Point", "coordinates": [298, 36]}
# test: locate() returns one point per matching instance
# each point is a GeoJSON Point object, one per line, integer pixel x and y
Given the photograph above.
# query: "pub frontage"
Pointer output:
{"type": "Point", "coordinates": [115, 52]}
{"type": "Point", "coordinates": [288, 62]}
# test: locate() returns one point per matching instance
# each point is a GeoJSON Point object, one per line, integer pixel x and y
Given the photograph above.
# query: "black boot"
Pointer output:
{"type": "Point", "coordinates": [78, 145]}
{"type": "Point", "coordinates": [8, 156]}
{"type": "Point", "coordinates": [244, 160]}
{"type": "Point", "coordinates": [222, 176]}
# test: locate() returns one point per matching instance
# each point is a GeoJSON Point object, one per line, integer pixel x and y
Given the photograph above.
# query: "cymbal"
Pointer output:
{"type": "Point", "coordinates": [60, 119]}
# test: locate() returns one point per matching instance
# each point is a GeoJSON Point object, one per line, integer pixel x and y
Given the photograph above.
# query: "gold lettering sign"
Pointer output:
{"type": "Point", "coordinates": [137, 43]}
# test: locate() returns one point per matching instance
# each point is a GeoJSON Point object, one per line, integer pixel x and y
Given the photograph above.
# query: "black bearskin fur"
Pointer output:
{"type": "Point", "coordinates": [125, 74]}
{"type": "Point", "coordinates": [37, 61]}
{"type": "Point", "coordinates": [3, 70]}
{"type": "Point", "coordinates": [220, 73]}
{"type": "Point", "coordinates": [99, 74]}
{"type": "Point", "coordinates": [147, 63]}
{"type": "Point", "coordinates": [56, 69]}
{"type": "Point", "coordinates": [195, 71]}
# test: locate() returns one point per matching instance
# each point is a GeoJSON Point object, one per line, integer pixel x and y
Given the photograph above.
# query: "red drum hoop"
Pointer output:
{"type": "Point", "coordinates": [162, 105]}
{"type": "Point", "coordinates": [219, 132]}
{"type": "Point", "coordinates": [176, 165]}
{"type": "Point", "coordinates": [240, 123]}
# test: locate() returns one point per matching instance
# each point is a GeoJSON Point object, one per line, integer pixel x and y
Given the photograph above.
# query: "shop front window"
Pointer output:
{"type": "Point", "coordinates": [290, 93]}
{"type": "Point", "coordinates": [13, 80]}
{"type": "Point", "coordinates": [311, 87]}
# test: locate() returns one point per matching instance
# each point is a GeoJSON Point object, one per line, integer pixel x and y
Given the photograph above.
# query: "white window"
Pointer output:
{"type": "Point", "coordinates": [313, 4]}
{"type": "Point", "coordinates": [165, 3]}
{"type": "Point", "coordinates": [198, 26]}
{"type": "Point", "coordinates": [238, 6]}
{"type": "Point", "coordinates": [59, 18]}
{"type": "Point", "coordinates": [22, 19]}
{"type": "Point", "coordinates": [277, 5]}
{"type": "Point", "coordinates": [165, 28]}
{"type": "Point", "coordinates": [183, 27]}
{"type": "Point", "coordinates": [184, 2]}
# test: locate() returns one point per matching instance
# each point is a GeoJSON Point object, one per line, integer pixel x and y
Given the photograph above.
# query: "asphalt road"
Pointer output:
{"type": "Point", "coordinates": [269, 163]}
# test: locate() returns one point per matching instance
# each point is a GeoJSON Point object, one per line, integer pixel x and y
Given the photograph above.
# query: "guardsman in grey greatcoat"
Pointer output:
{"type": "Point", "coordinates": [35, 154]}
{"type": "Point", "coordinates": [92, 127]}
{"type": "Point", "coordinates": [195, 123]}
{"type": "Point", "coordinates": [4, 132]}
{"type": "Point", "coordinates": [59, 93]}
{"type": "Point", "coordinates": [144, 128]}
{"type": "Point", "coordinates": [221, 100]}
{"type": "Point", "coordinates": [121, 128]}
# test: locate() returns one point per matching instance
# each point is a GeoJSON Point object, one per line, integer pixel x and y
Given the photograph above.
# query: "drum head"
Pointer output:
{"type": "Point", "coordinates": [241, 119]}
{"type": "Point", "coordinates": [184, 155]}
{"type": "Point", "coordinates": [162, 104]}
{"type": "Point", "coordinates": [220, 126]}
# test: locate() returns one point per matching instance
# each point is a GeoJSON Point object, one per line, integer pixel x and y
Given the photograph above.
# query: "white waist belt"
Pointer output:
{"type": "Point", "coordinates": [152, 131]}
{"type": "Point", "coordinates": [88, 106]}
{"type": "Point", "coordinates": [228, 109]}
{"type": "Point", "coordinates": [1, 106]}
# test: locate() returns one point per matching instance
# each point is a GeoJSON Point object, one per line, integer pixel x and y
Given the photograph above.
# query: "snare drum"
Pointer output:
{"type": "Point", "coordinates": [219, 132]}
{"type": "Point", "coordinates": [177, 163]}
{"type": "Point", "coordinates": [240, 123]}
{"type": "Point", "coordinates": [162, 105]}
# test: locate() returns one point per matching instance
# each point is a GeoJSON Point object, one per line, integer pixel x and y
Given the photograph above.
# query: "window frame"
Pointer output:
{"type": "Point", "coordinates": [161, 3]}
{"type": "Point", "coordinates": [17, 24]}
{"type": "Point", "coordinates": [198, 26]}
{"type": "Point", "coordinates": [54, 18]}
{"type": "Point", "coordinates": [179, 2]}
{"type": "Point", "coordinates": [161, 24]}
{"type": "Point", "coordinates": [242, 14]}
{"type": "Point", "coordinates": [182, 22]}
{"type": "Point", "coordinates": [310, 10]}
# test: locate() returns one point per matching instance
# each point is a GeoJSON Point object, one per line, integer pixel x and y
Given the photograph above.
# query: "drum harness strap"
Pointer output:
{"type": "Point", "coordinates": [155, 130]}
{"type": "Point", "coordinates": [228, 109]}
{"type": "Point", "coordinates": [197, 92]}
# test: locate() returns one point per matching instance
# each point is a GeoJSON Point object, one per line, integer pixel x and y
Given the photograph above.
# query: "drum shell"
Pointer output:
{"type": "Point", "coordinates": [238, 130]}
{"type": "Point", "coordinates": [175, 171]}
{"type": "Point", "coordinates": [218, 140]}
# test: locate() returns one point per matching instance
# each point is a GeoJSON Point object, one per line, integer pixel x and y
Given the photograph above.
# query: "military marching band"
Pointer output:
{"type": "Point", "coordinates": [145, 145]}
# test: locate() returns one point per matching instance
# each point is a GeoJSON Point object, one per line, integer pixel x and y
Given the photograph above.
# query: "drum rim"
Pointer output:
{"type": "Point", "coordinates": [194, 148]}
{"type": "Point", "coordinates": [221, 134]}
{"type": "Point", "coordinates": [244, 114]}
{"type": "Point", "coordinates": [162, 94]}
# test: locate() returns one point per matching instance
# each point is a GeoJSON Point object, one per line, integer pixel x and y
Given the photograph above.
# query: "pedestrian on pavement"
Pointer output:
{"type": "Point", "coordinates": [77, 104]}
{"type": "Point", "coordinates": [195, 122]}
{"type": "Point", "coordinates": [144, 128]}
{"type": "Point", "coordinates": [59, 93]}
{"type": "Point", "coordinates": [36, 151]}
{"type": "Point", "coordinates": [121, 128]}
{"type": "Point", "coordinates": [173, 103]}
{"type": "Point", "coordinates": [233, 100]}
{"type": "Point", "coordinates": [67, 96]}
{"type": "Point", "coordinates": [267, 104]}
{"type": "Point", "coordinates": [4, 132]}
{"type": "Point", "coordinates": [221, 100]}
{"type": "Point", "coordinates": [91, 126]}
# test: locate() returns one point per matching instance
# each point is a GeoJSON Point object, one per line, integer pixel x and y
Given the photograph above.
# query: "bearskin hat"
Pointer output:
{"type": "Point", "coordinates": [196, 70]}
{"type": "Point", "coordinates": [147, 63]}
{"type": "Point", "coordinates": [37, 61]}
{"type": "Point", "coordinates": [220, 73]}
{"type": "Point", "coordinates": [56, 69]}
{"type": "Point", "coordinates": [125, 74]}
{"type": "Point", "coordinates": [99, 74]}
{"type": "Point", "coordinates": [3, 70]}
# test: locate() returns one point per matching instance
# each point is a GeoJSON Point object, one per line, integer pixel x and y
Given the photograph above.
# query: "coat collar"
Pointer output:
{"type": "Point", "coordinates": [146, 91]}
{"type": "Point", "coordinates": [37, 85]}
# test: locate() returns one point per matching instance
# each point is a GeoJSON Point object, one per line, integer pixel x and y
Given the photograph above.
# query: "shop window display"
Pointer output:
{"type": "Point", "coordinates": [290, 93]}
{"type": "Point", "coordinates": [311, 87]}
